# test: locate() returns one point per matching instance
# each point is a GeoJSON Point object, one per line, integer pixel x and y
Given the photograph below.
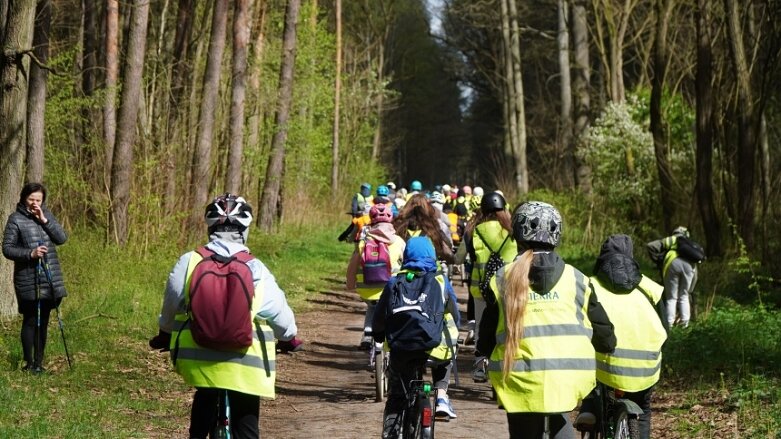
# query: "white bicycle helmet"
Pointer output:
{"type": "Point", "coordinates": [229, 213]}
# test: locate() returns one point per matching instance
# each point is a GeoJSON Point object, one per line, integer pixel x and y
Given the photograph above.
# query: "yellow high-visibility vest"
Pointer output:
{"type": "Point", "coordinates": [493, 232]}
{"type": "Point", "coordinates": [636, 363]}
{"type": "Point", "coordinates": [554, 364]}
{"type": "Point", "coordinates": [249, 370]}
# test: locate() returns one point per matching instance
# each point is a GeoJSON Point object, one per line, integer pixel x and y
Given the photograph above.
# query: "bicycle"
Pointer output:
{"type": "Point", "coordinates": [616, 417]}
{"type": "Point", "coordinates": [418, 416]}
{"type": "Point", "coordinates": [378, 360]}
{"type": "Point", "coordinates": [222, 430]}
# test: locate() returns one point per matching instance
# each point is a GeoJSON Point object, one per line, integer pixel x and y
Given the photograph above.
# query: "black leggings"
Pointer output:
{"type": "Point", "coordinates": [532, 425]}
{"type": "Point", "coordinates": [244, 412]}
{"type": "Point", "coordinates": [30, 346]}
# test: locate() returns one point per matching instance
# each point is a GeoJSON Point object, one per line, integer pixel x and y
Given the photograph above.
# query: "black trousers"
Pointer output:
{"type": "Point", "coordinates": [244, 413]}
{"type": "Point", "coordinates": [33, 337]}
{"type": "Point", "coordinates": [532, 425]}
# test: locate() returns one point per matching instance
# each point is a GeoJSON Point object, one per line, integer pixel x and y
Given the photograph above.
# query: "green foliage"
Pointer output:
{"type": "Point", "coordinates": [736, 340]}
{"type": "Point", "coordinates": [620, 152]}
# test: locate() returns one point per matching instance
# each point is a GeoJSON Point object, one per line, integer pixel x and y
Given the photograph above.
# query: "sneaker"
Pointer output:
{"type": "Point", "coordinates": [585, 421]}
{"type": "Point", "coordinates": [366, 341]}
{"type": "Point", "coordinates": [293, 345]}
{"type": "Point", "coordinates": [445, 409]}
{"type": "Point", "coordinates": [479, 374]}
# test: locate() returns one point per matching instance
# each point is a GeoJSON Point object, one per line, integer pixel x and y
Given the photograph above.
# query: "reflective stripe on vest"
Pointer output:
{"type": "Point", "coordinates": [671, 244]}
{"type": "Point", "coordinates": [492, 231]}
{"type": "Point", "coordinates": [635, 365]}
{"type": "Point", "coordinates": [555, 363]}
{"type": "Point", "coordinates": [250, 370]}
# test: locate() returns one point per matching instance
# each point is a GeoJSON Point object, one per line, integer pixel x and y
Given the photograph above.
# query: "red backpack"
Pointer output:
{"type": "Point", "coordinates": [221, 293]}
{"type": "Point", "coordinates": [375, 262]}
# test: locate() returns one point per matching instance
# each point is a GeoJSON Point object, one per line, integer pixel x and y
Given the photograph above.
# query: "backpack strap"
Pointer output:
{"type": "Point", "coordinates": [486, 242]}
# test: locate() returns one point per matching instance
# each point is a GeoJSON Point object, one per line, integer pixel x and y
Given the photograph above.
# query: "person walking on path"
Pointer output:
{"type": "Point", "coordinates": [630, 299]}
{"type": "Point", "coordinates": [30, 239]}
{"type": "Point", "coordinates": [543, 330]}
{"type": "Point", "coordinates": [245, 373]}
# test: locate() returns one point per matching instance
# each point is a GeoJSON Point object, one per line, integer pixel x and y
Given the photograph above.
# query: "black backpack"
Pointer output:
{"type": "Point", "coordinates": [494, 263]}
{"type": "Point", "coordinates": [689, 250]}
{"type": "Point", "coordinates": [415, 313]}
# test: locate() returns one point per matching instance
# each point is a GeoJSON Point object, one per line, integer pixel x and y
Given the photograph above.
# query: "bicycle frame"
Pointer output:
{"type": "Point", "coordinates": [418, 418]}
{"type": "Point", "coordinates": [617, 417]}
{"type": "Point", "coordinates": [223, 428]}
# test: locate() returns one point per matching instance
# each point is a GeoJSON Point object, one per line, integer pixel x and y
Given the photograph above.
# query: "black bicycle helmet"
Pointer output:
{"type": "Point", "coordinates": [535, 221]}
{"type": "Point", "coordinates": [492, 202]}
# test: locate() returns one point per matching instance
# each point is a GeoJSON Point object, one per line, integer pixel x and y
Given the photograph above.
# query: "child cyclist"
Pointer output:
{"type": "Point", "coordinates": [409, 356]}
{"type": "Point", "coordinates": [381, 230]}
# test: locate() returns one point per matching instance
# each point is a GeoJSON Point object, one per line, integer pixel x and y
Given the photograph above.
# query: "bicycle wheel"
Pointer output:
{"type": "Point", "coordinates": [624, 426]}
{"type": "Point", "coordinates": [380, 379]}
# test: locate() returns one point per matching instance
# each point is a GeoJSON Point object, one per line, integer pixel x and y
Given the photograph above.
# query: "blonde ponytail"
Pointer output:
{"type": "Point", "coordinates": [516, 295]}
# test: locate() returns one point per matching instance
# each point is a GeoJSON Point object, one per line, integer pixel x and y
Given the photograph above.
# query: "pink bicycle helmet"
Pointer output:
{"type": "Point", "coordinates": [380, 213]}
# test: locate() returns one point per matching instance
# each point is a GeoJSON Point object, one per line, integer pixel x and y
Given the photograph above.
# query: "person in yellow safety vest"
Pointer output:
{"type": "Point", "coordinates": [629, 298]}
{"type": "Point", "coordinates": [247, 374]}
{"type": "Point", "coordinates": [419, 257]}
{"type": "Point", "coordinates": [382, 231]}
{"type": "Point", "coordinates": [543, 330]}
{"type": "Point", "coordinates": [489, 231]}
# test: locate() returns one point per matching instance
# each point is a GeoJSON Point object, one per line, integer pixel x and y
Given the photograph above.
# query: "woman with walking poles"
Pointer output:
{"type": "Point", "coordinates": [31, 237]}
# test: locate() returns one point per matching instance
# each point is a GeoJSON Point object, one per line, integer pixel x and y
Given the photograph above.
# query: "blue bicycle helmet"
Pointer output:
{"type": "Point", "coordinates": [383, 191]}
{"type": "Point", "coordinates": [416, 185]}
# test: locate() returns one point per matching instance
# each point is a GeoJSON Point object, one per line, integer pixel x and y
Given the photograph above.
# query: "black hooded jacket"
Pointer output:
{"type": "Point", "coordinates": [545, 272]}
{"type": "Point", "coordinates": [615, 268]}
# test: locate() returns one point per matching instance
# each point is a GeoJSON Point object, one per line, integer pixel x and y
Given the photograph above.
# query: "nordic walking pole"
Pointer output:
{"type": "Point", "coordinates": [37, 351]}
{"type": "Point", "coordinates": [57, 308]}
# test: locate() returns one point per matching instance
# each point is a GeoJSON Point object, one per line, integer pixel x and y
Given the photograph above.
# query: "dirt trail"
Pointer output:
{"type": "Point", "coordinates": [327, 391]}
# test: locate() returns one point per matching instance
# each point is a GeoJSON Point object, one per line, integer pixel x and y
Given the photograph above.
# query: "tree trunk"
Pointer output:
{"type": "Point", "coordinates": [122, 168]}
{"type": "Point", "coordinates": [704, 157]}
{"type": "Point", "coordinates": [581, 86]}
{"type": "Point", "coordinates": [380, 100]}
{"type": "Point", "coordinates": [199, 182]}
{"type": "Point", "coordinates": [112, 75]}
{"type": "Point", "coordinates": [746, 133]}
{"type": "Point", "coordinates": [253, 122]}
{"type": "Point", "coordinates": [238, 92]}
{"type": "Point", "coordinates": [270, 204]}
{"type": "Point", "coordinates": [337, 101]}
{"type": "Point", "coordinates": [663, 9]}
{"type": "Point", "coordinates": [521, 168]}
{"type": "Point", "coordinates": [565, 138]}
{"type": "Point", "coordinates": [36, 97]}
{"type": "Point", "coordinates": [508, 95]}
{"type": "Point", "coordinates": [17, 37]}
{"type": "Point", "coordinates": [89, 63]}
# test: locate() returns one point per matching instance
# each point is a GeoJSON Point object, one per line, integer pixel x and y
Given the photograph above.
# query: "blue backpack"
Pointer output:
{"type": "Point", "coordinates": [415, 312]}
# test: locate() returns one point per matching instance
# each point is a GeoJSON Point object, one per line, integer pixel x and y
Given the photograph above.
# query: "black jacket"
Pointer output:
{"type": "Point", "coordinates": [22, 234]}
{"type": "Point", "coordinates": [545, 272]}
